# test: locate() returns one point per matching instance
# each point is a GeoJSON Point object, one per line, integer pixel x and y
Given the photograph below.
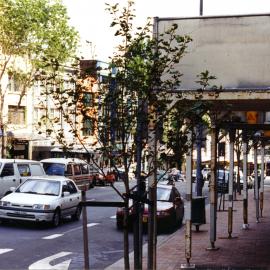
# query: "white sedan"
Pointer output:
{"type": "Point", "coordinates": [46, 198]}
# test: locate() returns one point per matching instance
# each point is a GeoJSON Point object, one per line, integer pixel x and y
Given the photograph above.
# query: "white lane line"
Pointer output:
{"type": "Point", "coordinates": [79, 228]}
{"type": "Point", "coordinates": [44, 264]}
{"type": "Point", "coordinates": [53, 236]}
{"type": "Point", "coordinates": [5, 250]}
{"type": "Point", "coordinates": [113, 217]}
{"type": "Point", "coordinates": [92, 224]}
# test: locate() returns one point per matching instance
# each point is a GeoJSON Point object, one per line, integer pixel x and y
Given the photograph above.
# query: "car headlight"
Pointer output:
{"type": "Point", "coordinates": [4, 203]}
{"type": "Point", "coordinates": [41, 206]}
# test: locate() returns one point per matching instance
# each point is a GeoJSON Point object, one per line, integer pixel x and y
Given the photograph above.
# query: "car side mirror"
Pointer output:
{"type": "Point", "coordinates": [12, 189]}
{"type": "Point", "coordinates": [65, 193]}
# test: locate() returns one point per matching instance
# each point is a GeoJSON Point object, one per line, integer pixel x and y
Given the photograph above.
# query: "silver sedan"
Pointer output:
{"type": "Point", "coordinates": [40, 199]}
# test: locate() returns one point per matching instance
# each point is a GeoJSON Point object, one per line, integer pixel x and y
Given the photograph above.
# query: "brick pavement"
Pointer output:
{"type": "Point", "coordinates": [248, 249]}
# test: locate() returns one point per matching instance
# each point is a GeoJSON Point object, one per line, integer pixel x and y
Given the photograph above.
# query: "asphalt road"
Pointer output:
{"type": "Point", "coordinates": [28, 246]}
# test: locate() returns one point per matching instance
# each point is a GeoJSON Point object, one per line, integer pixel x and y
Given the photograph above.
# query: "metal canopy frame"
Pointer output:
{"type": "Point", "coordinates": [226, 101]}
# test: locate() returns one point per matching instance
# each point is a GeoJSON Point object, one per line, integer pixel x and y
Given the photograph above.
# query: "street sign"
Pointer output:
{"type": "Point", "coordinates": [252, 117]}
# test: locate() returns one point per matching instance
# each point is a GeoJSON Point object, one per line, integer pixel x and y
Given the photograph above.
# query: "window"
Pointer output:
{"type": "Point", "coordinates": [71, 187]}
{"type": "Point", "coordinates": [24, 169]}
{"type": "Point", "coordinates": [36, 169]}
{"type": "Point", "coordinates": [54, 168]}
{"type": "Point", "coordinates": [84, 169]}
{"type": "Point", "coordinates": [88, 127]}
{"type": "Point", "coordinates": [88, 99]}
{"type": "Point", "coordinates": [8, 170]}
{"type": "Point", "coordinates": [77, 170]}
{"type": "Point", "coordinates": [69, 170]}
{"type": "Point", "coordinates": [16, 115]}
{"type": "Point", "coordinates": [14, 84]}
{"type": "Point", "coordinates": [43, 187]}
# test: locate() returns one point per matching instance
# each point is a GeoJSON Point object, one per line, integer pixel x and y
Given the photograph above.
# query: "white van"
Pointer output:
{"type": "Point", "coordinates": [15, 171]}
{"type": "Point", "coordinates": [74, 168]}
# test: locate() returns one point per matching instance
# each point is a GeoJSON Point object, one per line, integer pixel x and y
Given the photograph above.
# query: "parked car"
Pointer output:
{"type": "Point", "coordinates": [103, 177]}
{"type": "Point", "coordinates": [42, 199]}
{"type": "Point", "coordinates": [170, 209]}
{"type": "Point", "coordinates": [13, 172]}
{"type": "Point", "coordinates": [73, 168]}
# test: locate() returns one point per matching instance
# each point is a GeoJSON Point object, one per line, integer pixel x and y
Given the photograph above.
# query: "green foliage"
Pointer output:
{"type": "Point", "coordinates": [143, 75]}
{"type": "Point", "coordinates": [142, 61]}
{"type": "Point", "coordinates": [204, 79]}
{"type": "Point", "coordinates": [36, 29]}
{"type": "Point", "coordinates": [33, 35]}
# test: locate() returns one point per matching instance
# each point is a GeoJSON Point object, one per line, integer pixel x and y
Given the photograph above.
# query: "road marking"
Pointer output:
{"type": "Point", "coordinates": [92, 224]}
{"type": "Point", "coordinates": [113, 217]}
{"type": "Point", "coordinates": [44, 264]}
{"type": "Point", "coordinates": [5, 250]}
{"type": "Point", "coordinates": [53, 236]}
{"type": "Point", "coordinates": [112, 251]}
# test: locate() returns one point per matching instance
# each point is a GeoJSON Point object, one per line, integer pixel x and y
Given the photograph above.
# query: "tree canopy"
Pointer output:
{"type": "Point", "coordinates": [36, 29]}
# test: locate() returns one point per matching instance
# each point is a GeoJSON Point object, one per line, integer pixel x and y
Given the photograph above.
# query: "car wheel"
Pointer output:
{"type": "Point", "coordinates": [91, 185]}
{"type": "Point", "coordinates": [4, 221]}
{"type": "Point", "coordinates": [119, 224]}
{"type": "Point", "coordinates": [76, 216]}
{"type": "Point", "coordinates": [56, 218]}
{"type": "Point", "coordinates": [8, 192]}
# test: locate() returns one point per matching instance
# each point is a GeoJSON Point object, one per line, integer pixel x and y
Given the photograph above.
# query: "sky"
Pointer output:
{"type": "Point", "coordinates": [92, 21]}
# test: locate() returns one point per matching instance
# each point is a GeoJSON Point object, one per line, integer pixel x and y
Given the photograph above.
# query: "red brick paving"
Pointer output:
{"type": "Point", "coordinates": [250, 248]}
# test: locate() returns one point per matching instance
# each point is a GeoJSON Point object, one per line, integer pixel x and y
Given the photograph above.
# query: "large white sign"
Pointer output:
{"type": "Point", "coordinates": [236, 49]}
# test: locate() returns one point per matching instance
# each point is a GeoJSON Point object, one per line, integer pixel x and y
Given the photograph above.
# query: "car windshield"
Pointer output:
{"type": "Point", "coordinates": [43, 187]}
{"type": "Point", "coordinates": [54, 168]}
{"type": "Point", "coordinates": [163, 194]}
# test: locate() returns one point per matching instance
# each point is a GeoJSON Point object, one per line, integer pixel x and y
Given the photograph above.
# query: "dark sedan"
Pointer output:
{"type": "Point", "coordinates": [170, 210]}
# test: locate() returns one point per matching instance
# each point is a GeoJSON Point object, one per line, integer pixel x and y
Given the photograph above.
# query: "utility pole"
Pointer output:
{"type": "Point", "coordinates": [2, 141]}
{"type": "Point", "coordinates": [199, 178]}
{"type": "Point", "coordinates": [201, 7]}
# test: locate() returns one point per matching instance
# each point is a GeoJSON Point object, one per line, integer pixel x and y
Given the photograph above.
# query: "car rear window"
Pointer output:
{"type": "Point", "coordinates": [163, 194]}
{"type": "Point", "coordinates": [54, 168]}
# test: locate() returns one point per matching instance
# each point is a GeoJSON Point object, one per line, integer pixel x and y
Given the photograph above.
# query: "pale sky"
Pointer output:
{"type": "Point", "coordinates": [92, 21]}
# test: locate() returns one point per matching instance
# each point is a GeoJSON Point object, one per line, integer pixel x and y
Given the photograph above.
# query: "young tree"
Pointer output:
{"type": "Point", "coordinates": [135, 85]}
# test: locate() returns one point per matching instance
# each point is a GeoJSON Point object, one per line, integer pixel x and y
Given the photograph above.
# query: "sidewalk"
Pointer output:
{"type": "Point", "coordinates": [248, 249]}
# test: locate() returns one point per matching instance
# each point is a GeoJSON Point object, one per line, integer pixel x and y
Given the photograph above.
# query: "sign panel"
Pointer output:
{"type": "Point", "coordinates": [235, 49]}
{"type": "Point", "coordinates": [252, 117]}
